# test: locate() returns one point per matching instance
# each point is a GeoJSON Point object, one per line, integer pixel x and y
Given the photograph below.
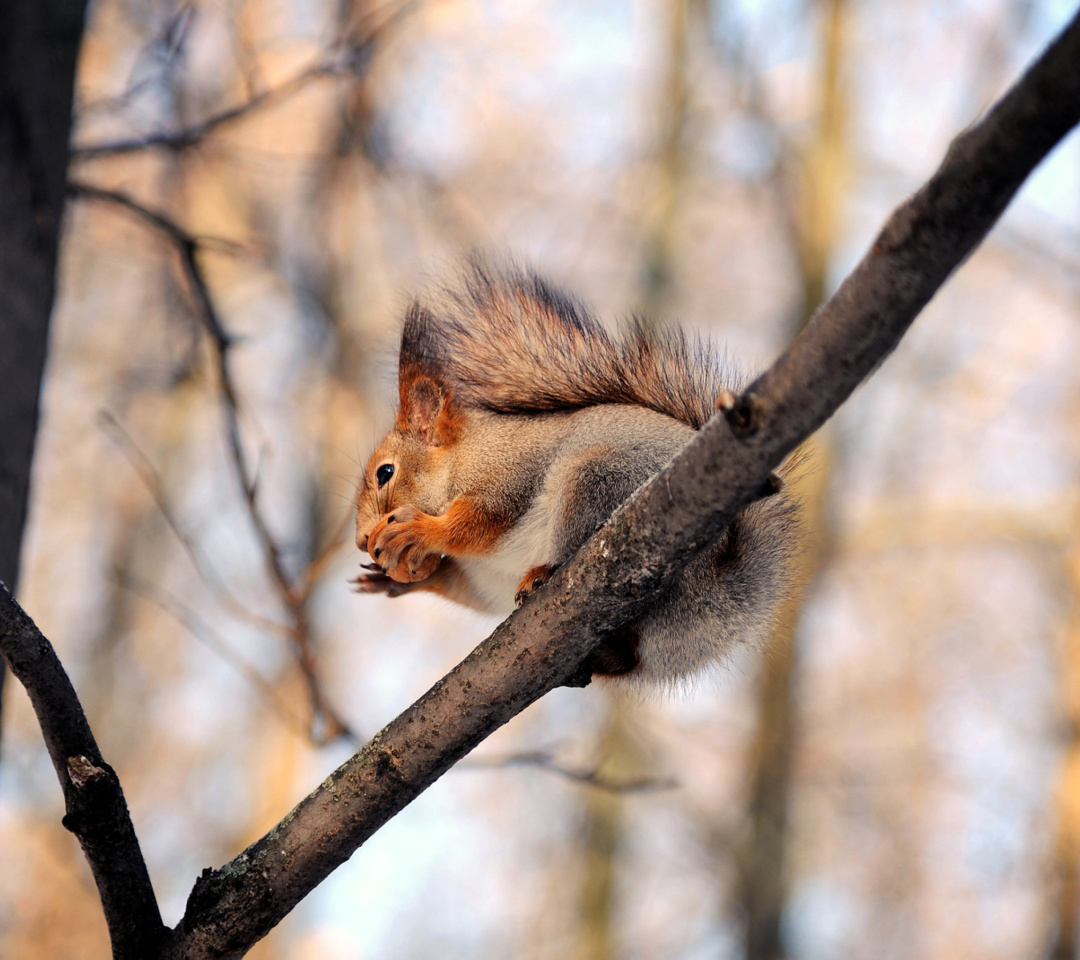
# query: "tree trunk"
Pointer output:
{"type": "Point", "coordinates": [39, 45]}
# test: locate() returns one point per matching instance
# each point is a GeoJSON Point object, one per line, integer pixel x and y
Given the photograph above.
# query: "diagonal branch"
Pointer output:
{"type": "Point", "coordinates": [96, 811]}
{"type": "Point", "coordinates": [684, 508]}
{"type": "Point", "coordinates": [611, 580]}
{"type": "Point", "coordinates": [201, 630]}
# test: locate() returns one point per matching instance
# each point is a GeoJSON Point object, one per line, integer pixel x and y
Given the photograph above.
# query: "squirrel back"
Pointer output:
{"type": "Point", "coordinates": [508, 342]}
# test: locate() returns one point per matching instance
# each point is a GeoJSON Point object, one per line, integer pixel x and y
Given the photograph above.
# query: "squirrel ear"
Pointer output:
{"type": "Point", "coordinates": [426, 410]}
{"type": "Point", "coordinates": [423, 409]}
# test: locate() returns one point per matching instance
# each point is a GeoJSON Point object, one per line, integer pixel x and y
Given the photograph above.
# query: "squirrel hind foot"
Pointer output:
{"type": "Point", "coordinates": [534, 579]}
{"type": "Point", "coordinates": [617, 654]}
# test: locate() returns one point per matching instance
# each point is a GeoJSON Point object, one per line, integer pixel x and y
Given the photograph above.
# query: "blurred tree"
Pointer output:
{"type": "Point", "coordinates": [39, 47]}
{"type": "Point", "coordinates": [602, 836]}
{"type": "Point", "coordinates": [812, 204]}
{"type": "Point", "coordinates": [1064, 902]}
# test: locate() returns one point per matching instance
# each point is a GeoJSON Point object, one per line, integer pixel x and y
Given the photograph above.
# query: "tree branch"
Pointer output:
{"type": "Point", "coordinates": [351, 59]}
{"type": "Point", "coordinates": [610, 581]}
{"type": "Point", "coordinates": [96, 810]}
{"type": "Point", "coordinates": [39, 48]}
{"type": "Point", "coordinates": [585, 776]}
{"type": "Point", "coordinates": [327, 724]}
{"type": "Point", "coordinates": [146, 471]}
{"type": "Point", "coordinates": [196, 133]}
{"type": "Point", "coordinates": [198, 628]}
{"type": "Point", "coordinates": [684, 508]}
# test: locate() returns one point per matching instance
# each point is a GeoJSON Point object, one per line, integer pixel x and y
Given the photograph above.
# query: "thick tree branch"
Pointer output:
{"type": "Point", "coordinates": [96, 811]}
{"type": "Point", "coordinates": [686, 507]}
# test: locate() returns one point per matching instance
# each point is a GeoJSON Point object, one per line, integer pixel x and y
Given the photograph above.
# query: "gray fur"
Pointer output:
{"type": "Point", "coordinates": [595, 459]}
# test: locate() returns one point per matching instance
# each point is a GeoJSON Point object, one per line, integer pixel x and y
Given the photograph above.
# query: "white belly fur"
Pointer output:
{"type": "Point", "coordinates": [495, 578]}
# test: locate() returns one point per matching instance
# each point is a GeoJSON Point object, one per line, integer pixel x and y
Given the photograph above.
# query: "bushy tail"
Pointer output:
{"type": "Point", "coordinates": [508, 342]}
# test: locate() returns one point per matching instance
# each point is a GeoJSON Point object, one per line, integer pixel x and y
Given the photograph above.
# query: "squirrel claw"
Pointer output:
{"type": "Point", "coordinates": [379, 583]}
{"type": "Point", "coordinates": [533, 580]}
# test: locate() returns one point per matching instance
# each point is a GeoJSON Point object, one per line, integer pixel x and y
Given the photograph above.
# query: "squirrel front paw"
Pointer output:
{"type": "Point", "coordinates": [397, 544]}
{"type": "Point", "coordinates": [534, 579]}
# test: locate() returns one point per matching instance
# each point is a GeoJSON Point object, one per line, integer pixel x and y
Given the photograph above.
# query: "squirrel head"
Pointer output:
{"type": "Point", "coordinates": [410, 464]}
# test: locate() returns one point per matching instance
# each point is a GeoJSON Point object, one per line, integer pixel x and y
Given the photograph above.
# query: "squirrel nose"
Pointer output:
{"type": "Point", "coordinates": [361, 542]}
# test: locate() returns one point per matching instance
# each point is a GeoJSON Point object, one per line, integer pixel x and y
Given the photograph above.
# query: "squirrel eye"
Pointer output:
{"type": "Point", "coordinates": [384, 473]}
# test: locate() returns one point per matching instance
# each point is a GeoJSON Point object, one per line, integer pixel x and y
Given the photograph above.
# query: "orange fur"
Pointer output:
{"type": "Point", "coordinates": [405, 541]}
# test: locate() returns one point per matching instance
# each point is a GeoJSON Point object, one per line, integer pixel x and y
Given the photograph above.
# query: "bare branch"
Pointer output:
{"type": "Point", "coordinates": [317, 567]}
{"type": "Point", "coordinates": [166, 48]}
{"type": "Point", "coordinates": [172, 605]}
{"type": "Point", "coordinates": [349, 60]}
{"type": "Point", "coordinates": [154, 218]}
{"type": "Point", "coordinates": [141, 464]}
{"type": "Point", "coordinates": [196, 133]}
{"type": "Point", "coordinates": [586, 776]}
{"type": "Point", "coordinates": [96, 810]}
{"type": "Point", "coordinates": [548, 641]}
{"type": "Point", "coordinates": [328, 724]}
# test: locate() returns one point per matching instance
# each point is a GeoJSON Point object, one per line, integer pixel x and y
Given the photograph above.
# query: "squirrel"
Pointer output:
{"type": "Point", "coordinates": [522, 425]}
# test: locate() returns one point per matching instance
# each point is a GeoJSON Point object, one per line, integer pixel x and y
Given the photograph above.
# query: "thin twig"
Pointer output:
{"type": "Point", "coordinates": [588, 776]}
{"type": "Point", "coordinates": [164, 600]}
{"type": "Point", "coordinates": [154, 218]}
{"type": "Point", "coordinates": [327, 724]}
{"type": "Point", "coordinates": [317, 567]}
{"type": "Point", "coordinates": [167, 47]}
{"type": "Point", "coordinates": [348, 60]}
{"type": "Point", "coordinates": [197, 133]}
{"type": "Point", "coordinates": [150, 477]}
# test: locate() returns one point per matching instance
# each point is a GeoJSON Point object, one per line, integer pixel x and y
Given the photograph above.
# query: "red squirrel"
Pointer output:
{"type": "Point", "coordinates": [522, 425]}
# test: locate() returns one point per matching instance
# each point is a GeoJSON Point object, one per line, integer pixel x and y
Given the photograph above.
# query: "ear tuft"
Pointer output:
{"type": "Point", "coordinates": [426, 410]}
{"type": "Point", "coordinates": [420, 344]}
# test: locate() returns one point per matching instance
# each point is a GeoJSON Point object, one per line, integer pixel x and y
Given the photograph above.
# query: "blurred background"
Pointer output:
{"type": "Point", "coordinates": [258, 185]}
